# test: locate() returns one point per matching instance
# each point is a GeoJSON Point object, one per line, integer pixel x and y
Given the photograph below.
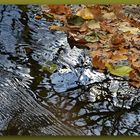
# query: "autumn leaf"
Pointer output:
{"type": "Point", "coordinates": [85, 13]}
{"type": "Point", "coordinates": [135, 79]}
{"type": "Point", "coordinates": [119, 70]}
{"type": "Point", "coordinates": [117, 39]}
{"type": "Point", "coordinates": [93, 46]}
{"type": "Point", "coordinates": [96, 11]}
{"type": "Point", "coordinates": [49, 67]}
{"type": "Point", "coordinates": [93, 24]}
{"type": "Point", "coordinates": [107, 27]}
{"type": "Point", "coordinates": [125, 27]}
{"type": "Point", "coordinates": [91, 38]}
{"type": "Point", "coordinates": [109, 15]}
{"type": "Point", "coordinates": [58, 28]}
{"type": "Point", "coordinates": [120, 55]}
{"type": "Point", "coordinates": [38, 17]}
{"type": "Point", "coordinates": [113, 39]}
{"type": "Point", "coordinates": [60, 9]}
{"type": "Point", "coordinates": [98, 63]}
{"type": "Point", "coordinates": [75, 20]}
{"type": "Point", "coordinates": [118, 10]}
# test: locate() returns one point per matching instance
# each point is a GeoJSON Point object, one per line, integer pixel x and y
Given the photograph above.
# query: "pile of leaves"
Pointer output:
{"type": "Point", "coordinates": [112, 37]}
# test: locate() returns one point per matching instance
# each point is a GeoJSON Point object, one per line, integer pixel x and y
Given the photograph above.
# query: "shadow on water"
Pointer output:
{"type": "Point", "coordinates": [80, 97]}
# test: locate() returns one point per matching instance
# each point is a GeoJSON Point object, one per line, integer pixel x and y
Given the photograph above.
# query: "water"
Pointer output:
{"type": "Point", "coordinates": [76, 94]}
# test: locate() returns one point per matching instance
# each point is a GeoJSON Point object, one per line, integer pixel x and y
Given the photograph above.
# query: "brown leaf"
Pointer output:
{"type": "Point", "coordinates": [107, 27]}
{"type": "Point", "coordinates": [58, 28]}
{"type": "Point", "coordinates": [120, 55]}
{"type": "Point", "coordinates": [85, 13]}
{"type": "Point", "coordinates": [38, 17]}
{"type": "Point", "coordinates": [93, 46]}
{"type": "Point", "coordinates": [84, 28]}
{"type": "Point", "coordinates": [118, 10]}
{"type": "Point", "coordinates": [98, 63]}
{"type": "Point", "coordinates": [117, 57]}
{"type": "Point", "coordinates": [117, 39]}
{"type": "Point", "coordinates": [96, 10]}
{"type": "Point", "coordinates": [134, 79]}
{"type": "Point", "coordinates": [60, 9]}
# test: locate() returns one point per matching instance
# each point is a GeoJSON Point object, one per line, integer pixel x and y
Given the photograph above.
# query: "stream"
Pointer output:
{"type": "Point", "coordinates": [74, 99]}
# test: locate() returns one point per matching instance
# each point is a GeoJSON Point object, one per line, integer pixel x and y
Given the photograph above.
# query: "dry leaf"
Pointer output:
{"type": "Point", "coordinates": [98, 63]}
{"type": "Point", "coordinates": [117, 39]}
{"type": "Point", "coordinates": [109, 15]}
{"type": "Point", "coordinates": [85, 13]}
{"type": "Point", "coordinates": [93, 24]}
{"type": "Point", "coordinates": [134, 79]}
{"type": "Point", "coordinates": [107, 27]}
{"type": "Point", "coordinates": [60, 9]}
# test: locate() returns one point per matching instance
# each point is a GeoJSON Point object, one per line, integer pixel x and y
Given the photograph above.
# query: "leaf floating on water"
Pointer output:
{"type": "Point", "coordinates": [38, 17]}
{"type": "Point", "coordinates": [85, 13]}
{"type": "Point", "coordinates": [119, 70]}
{"type": "Point", "coordinates": [49, 67]}
{"type": "Point", "coordinates": [58, 28]}
{"type": "Point", "coordinates": [48, 16]}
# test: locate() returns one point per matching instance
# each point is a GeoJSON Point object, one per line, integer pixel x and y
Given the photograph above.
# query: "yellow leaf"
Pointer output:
{"type": "Point", "coordinates": [125, 27]}
{"type": "Point", "coordinates": [109, 15]}
{"type": "Point", "coordinates": [119, 70]}
{"type": "Point", "coordinates": [93, 24]}
{"type": "Point", "coordinates": [85, 14]}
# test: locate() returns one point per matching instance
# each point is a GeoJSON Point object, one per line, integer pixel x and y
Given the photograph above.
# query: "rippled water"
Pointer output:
{"type": "Point", "coordinates": [79, 96]}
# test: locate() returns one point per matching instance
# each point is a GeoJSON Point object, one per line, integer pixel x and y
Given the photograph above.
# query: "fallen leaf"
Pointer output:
{"type": "Point", "coordinates": [90, 38]}
{"type": "Point", "coordinates": [98, 63]}
{"type": "Point", "coordinates": [84, 28]}
{"type": "Point", "coordinates": [134, 79]}
{"type": "Point", "coordinates": [38, 17]}
{"type": "Point", "coordinates": [119, 70]}
{"type": "Point", "coordinates": [93, 24]}
{"type": "Point", "coordinates": [110, 15]}
{"type": "Point", "coordinates": [60, 9]}
{"type": "Point", "coordinates": [126, 27]}
{"type": "Point", "coordinates": [96, 11]}
{"type": "Point", "coordinates": [107, 27]}
{"type": "Point", "coordinates": [117, 57]}
{"type": "Point", "coordinates": [93, 46]}
{"type": "Point", "coordinates": [85, 13]}
{"type": "Point", "coordinates": [49, 67]}
{"type": "Point", "coordinates": [118, 10]}
{"type": "Point", "coordinates": [75, 20]}
{"type": "Point", "coordinates": [117, 39]}
{"type": "Point", "coordinates": [58, 28]}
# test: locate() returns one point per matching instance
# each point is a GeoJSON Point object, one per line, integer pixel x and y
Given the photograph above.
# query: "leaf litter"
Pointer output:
{"type": "Point", "coordinates": [112, 37]}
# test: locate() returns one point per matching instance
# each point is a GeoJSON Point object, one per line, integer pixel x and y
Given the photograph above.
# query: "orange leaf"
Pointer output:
{"type": "Point", "coordinates": [60, 9]}
{"type": "Point", "coordinates": [134, 79]}
{"type": "Point", "coordinates": [98, 63]}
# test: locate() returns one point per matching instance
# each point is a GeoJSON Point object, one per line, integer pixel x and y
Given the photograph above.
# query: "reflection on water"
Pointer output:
{"type": "Point", "coordinates": [75, 93]}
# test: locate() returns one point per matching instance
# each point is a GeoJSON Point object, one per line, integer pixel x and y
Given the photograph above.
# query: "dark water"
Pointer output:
{"type": "Point", "coordinates": [77, 95]}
